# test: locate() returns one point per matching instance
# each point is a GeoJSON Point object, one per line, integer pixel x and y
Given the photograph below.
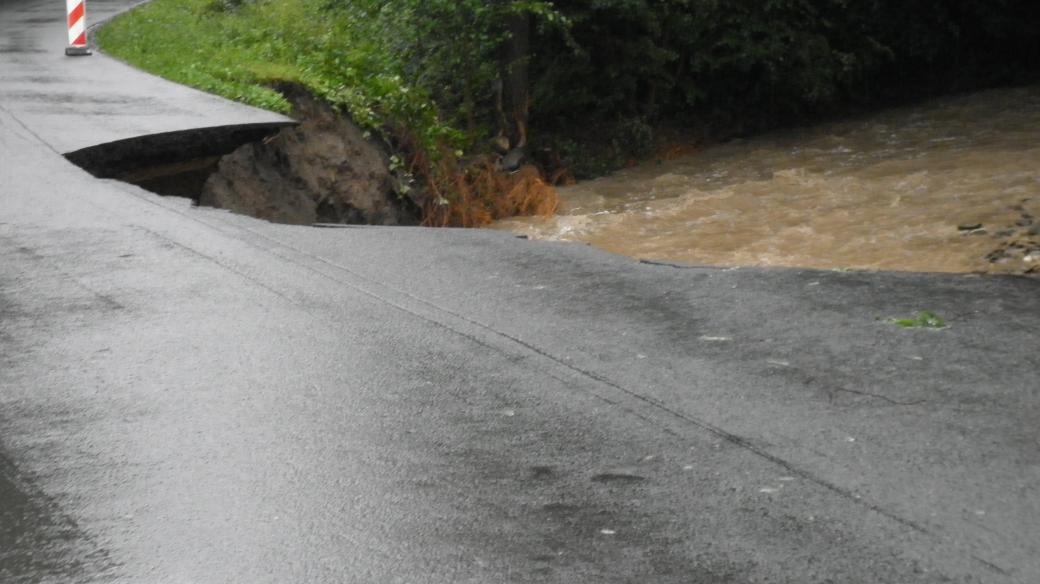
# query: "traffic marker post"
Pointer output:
{"type": "Point", "coordinates": [77, 21]}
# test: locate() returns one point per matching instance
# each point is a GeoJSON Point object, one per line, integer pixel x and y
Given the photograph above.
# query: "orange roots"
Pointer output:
{"type": "Point", "coordinates": [481, 194]}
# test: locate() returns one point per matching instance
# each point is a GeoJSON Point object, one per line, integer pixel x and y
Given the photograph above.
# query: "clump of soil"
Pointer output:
{"type": "Point", "coordinates": [325, 170]}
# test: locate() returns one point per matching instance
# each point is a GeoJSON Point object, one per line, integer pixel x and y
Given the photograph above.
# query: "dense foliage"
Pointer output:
{"type": "Point", "coordinates": [738, 65]}
{"type": "Point", "coordinates": [602, 74]}
{"type": "Point", "coordinates": [775, 60]}
{"type": "Point", "coordinates": [439, 77]}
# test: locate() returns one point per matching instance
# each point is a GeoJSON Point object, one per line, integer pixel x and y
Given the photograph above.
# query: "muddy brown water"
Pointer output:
{"type": "Point", "coordinates": [897, 190]}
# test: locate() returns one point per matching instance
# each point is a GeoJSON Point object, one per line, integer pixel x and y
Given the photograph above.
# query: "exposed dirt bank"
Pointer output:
{"type": "Point", "coordinates": [325, 170]}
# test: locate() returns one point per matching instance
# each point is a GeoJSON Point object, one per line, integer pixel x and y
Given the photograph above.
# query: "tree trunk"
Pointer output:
{"type": "Point", "coordinates": [516, 98]}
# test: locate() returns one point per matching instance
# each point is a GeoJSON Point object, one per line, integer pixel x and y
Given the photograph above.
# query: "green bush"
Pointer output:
{"type": "Point", "coordinates": [773, 61]}
{"type": "Point", "coordinates": [428, 74]}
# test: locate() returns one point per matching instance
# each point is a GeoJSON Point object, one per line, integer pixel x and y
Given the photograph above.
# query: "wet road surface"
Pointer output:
{"type": "Point", "coordinates": [192, 396]}
{"type": "Point", "coordinates": [75, 103]}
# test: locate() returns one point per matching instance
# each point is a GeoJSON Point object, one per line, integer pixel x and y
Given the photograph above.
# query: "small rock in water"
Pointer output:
{"type": "Point", "coordinates": [969, 226]}
{"type": "Point", "coordinates": [997, 256]}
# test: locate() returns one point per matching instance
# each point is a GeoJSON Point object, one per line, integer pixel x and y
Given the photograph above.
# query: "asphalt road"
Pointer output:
{"type": "Point", "coordinates": [190, 396]}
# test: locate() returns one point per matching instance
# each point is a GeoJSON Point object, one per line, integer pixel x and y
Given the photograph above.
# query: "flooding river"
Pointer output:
{"type": "Point", "coordinates": [899, 190]}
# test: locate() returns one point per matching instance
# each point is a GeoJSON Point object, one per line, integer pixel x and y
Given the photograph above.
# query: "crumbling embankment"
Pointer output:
{"type": "Point", "coordinates": [323, 169]}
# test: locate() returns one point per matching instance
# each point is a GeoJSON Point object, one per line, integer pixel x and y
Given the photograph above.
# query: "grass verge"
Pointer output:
{"type": "Point", "coordinates": [239, 49]}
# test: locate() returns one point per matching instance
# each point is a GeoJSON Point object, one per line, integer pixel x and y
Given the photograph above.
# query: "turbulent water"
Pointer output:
{"type": "Point", "coordinates": [899, 190]}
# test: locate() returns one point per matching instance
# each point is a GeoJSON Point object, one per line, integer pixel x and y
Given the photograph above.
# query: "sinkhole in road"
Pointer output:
{"type": "Point", "coordinates": [174, 179]}
{"type": "Point", "coordinates": [320, 168]}
{"type": "Point", "coordinates": [173, 164]}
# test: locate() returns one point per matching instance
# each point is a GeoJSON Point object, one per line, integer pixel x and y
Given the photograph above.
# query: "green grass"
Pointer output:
{"type": "Point", "coordinates": [195, 43]}
{"type": "Point", "coordinates": [925, 319]}
{"type": "Point", "coordinates": [239, 48]}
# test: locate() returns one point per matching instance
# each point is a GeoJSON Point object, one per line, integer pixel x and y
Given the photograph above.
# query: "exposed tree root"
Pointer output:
{"type": "Point", "coordinates": [482, 193]}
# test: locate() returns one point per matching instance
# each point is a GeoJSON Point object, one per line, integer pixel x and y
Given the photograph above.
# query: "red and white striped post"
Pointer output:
{"type": "Point", "coordinates": [77, 17]}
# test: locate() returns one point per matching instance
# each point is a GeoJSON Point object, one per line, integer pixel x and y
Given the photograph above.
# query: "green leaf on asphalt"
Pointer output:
{"type": "Point", "coordinates": [924, 319]}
